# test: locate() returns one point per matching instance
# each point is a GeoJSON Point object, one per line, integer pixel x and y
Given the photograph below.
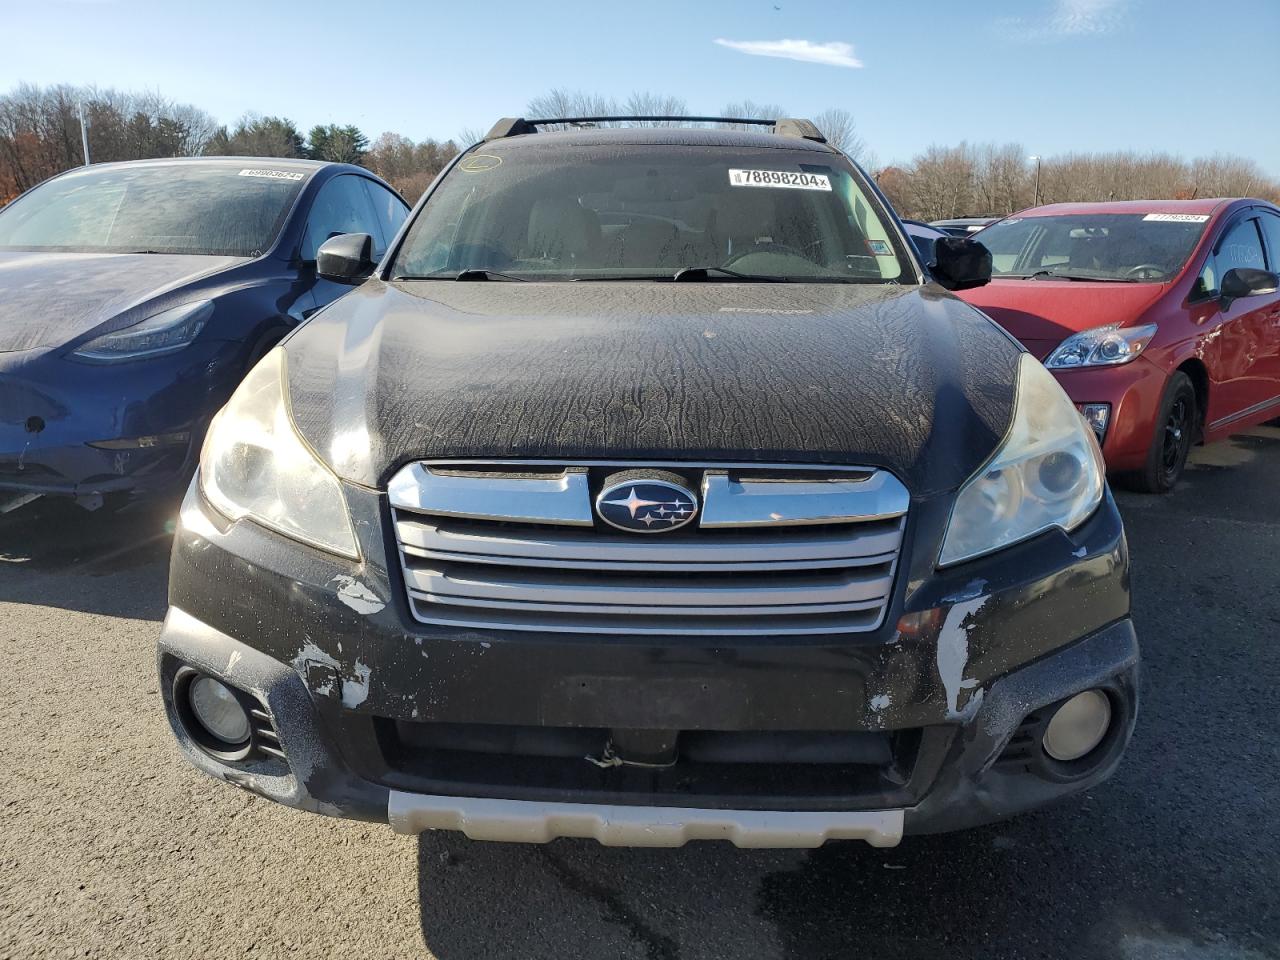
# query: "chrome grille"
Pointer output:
{"type": "Point", "coordinates": [777, 550]}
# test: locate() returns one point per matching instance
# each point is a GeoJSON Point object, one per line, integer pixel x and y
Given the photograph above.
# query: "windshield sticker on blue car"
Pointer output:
{"type": "Point", "coordinates": [273, 174]}
{"type": "Point", "coordinates": [1177, 217]}
{"type": "Point", "coordinates": [788, 179]}
{"type": "Point", "coordinates": [479, 163]}
{"type": "Point", "coordinates": [880, 248]}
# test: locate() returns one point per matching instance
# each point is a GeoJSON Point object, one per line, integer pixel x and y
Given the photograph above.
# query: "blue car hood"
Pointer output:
{"type": "Point", "coordinates": [47, 299]}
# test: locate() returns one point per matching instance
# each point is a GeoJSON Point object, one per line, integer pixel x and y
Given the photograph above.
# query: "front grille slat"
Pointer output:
{"type": "Point", "coordinates": [712, 593]}
{"type": "Point", "coordinates": [875, 542]}
{"type": "Point", "coordinates": [615, 609]}
{"type": "Point", "coordinates": [817, 557]}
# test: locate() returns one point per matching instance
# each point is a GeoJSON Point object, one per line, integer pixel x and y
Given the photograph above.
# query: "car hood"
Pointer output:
{"type": "Point", "coordinates": [1043, 313]}
{"type": "Point", "coordinates": [47, 299]}
{"type": "Point", "coordinates": [906, 378]}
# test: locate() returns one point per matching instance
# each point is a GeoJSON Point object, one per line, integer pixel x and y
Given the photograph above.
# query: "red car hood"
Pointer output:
{"type": "Point", "coordinates": [1043, 313]}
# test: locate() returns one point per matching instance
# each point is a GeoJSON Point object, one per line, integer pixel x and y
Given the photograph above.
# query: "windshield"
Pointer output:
{"type": "Point", "coordinates": [647, 212]}
{"type": "Point", "coordinates": [1137, 247]}
{"type": "Point", "coordinates": [220, 210]}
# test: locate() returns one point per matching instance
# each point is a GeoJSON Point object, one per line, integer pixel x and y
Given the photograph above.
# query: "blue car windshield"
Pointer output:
{"type": "Point", "coordinates": [222, 209]}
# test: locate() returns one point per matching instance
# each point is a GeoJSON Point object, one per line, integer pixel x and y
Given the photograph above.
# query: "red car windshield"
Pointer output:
{"type": "Point", "coordinates": [1135, 247]}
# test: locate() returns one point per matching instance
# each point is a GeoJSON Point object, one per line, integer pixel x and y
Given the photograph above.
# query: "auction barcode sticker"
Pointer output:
{"type": "Point", "coordinates": [788, 179]}
{"type": "Point", "coordinates": [273, 174]}
{"type": "Point", "coordinates": [1178, 217]}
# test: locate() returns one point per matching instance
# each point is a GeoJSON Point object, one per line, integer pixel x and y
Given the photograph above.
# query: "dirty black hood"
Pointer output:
{"type": "Point", "coordinates": [47, 299]}
{"type": "Point", "coordinates": [906, 378]}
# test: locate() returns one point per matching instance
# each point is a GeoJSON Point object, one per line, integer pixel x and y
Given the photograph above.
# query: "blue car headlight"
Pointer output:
{"type": "Point", "coordinates": [164, 332]}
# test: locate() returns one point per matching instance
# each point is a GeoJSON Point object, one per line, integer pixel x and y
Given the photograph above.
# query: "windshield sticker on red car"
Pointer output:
{"type": "Point", "coordinates": [879, 248]}
{"type": "Point", "coordinates": [788, 179]}
{"type": "Point", "coordinates": [273, 174]}
{"type": "Point", "coordinates": [1178, 217]}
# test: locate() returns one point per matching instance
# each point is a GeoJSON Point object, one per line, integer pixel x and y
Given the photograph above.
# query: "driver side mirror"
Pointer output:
{"type": "Point", "coordinates": [961, 263]}
{"type": "Point", "coordinates": [346, 258]}
{"type": "Point", "coordinates": [1247, 282]}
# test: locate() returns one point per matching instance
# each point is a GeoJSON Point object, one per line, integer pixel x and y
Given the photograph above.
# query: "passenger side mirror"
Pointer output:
{"type": "Point", "coordinates": [1247, 282]}
{"type": "Point", "coordinates": [346, 258]}
{"type": "Point", "coordinates": [961, 263]}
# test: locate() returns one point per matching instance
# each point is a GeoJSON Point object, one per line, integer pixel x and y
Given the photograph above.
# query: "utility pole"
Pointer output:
{"type": "Point", "coordinates": [84, 134]}
{"type": "Point", "coordinates": [1037, 200]}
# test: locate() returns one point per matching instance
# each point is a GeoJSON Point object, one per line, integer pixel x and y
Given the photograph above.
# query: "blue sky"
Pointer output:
{"type": "Point", "coordinates": [1184, 76]}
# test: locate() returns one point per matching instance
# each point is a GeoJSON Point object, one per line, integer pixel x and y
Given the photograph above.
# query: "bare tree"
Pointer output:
{"type": "Point", "coordinates": [645, 104]}
{"type": "Point", "coordinates": [40, 132]}
{"type": "Point", "coordinates": [1003, 181]}
{"type": "Point", "coordinates": [838, 126]}
{"type": "Point", "coordinates": [941, 182]}
{"type": "Point", "coordinates": [570, 103]}
{"type": "Point", "coordinates": [750, 110]}
{"type": "Point", "coordinates": [409, 167]}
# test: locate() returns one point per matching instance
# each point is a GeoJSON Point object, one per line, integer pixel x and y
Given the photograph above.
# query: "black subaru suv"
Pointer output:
{"type": "Point", "coordinates": [648, 489]}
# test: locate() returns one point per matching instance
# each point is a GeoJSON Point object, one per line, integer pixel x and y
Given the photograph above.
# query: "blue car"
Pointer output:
{"type": "Point", "coordinates": [135, 296]}
{"type": "Point", "coordinates": [924, 237]}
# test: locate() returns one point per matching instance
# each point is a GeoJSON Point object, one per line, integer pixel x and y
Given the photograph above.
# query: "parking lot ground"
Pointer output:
{"type": "Point", "coordinates": [111, 846]}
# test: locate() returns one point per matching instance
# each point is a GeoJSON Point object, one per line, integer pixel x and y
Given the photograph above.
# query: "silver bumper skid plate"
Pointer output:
{"type": "Point", "coordinates": [524, 821]}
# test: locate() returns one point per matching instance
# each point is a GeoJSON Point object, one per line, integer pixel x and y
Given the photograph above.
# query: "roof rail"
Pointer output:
{"type": "Point", "coordinates": [783, 126]}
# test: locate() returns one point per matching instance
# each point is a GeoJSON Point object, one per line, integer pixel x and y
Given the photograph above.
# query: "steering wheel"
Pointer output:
{"type": "Point", "coordinates": [1142, 271]}
{"type": "Point", "coordinates": [768, 247]}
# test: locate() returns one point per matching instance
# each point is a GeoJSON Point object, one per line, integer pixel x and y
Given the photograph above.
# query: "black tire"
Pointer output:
{"type": "Point", "coordinates": [1177, 425]}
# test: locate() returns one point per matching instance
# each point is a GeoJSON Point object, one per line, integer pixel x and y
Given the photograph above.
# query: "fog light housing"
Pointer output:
{"type": "Point", "coordinates": [218, 711]}
{"type": "Point", "coordinates": [1078, 726]}
{"type": "Point", "coordinates": [1098, 416]}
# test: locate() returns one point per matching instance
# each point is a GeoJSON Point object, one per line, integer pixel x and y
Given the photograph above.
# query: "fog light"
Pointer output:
{"type": "Point", "coordinates": [218, 710]}
{"type": "Point", "coordinates": [1078, 726]}
{"type": "Point", "coordinates": [1098, 416]}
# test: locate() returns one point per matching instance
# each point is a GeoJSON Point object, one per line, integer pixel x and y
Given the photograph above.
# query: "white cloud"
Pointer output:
{"type": "Point", "coordinates": [833, 54]}
{"type": "Point", "coordinates": [1068, 18]}
{"type": "Point", "coordinates": [1086, 16]}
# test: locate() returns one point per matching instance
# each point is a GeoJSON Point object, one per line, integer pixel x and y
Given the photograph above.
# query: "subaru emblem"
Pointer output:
{"type": "Point", "coordinates": [646, 505]}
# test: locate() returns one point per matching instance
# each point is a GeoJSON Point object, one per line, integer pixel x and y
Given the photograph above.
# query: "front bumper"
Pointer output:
{"type": "Point", "coordinates": [89, 431]}
{"type": "Point", "coordinates": [1133, 391]}
{"type": "Point", "coordinates": [354, 692]}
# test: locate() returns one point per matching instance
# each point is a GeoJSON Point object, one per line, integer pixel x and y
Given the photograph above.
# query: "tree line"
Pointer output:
{"type": "Point", "coordinates": [974, 180]}
{"type": "Point", "coordinates": [40, 136]}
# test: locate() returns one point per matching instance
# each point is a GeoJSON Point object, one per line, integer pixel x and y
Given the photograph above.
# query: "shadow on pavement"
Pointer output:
{"type": "Point", "coordinates": [575, 899]}
{"type": "Point", "coordinates": [56, 554]}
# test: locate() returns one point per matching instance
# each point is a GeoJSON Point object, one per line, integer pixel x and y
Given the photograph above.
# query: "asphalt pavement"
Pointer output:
{"type": "Point", "coordinates": [112, 846]}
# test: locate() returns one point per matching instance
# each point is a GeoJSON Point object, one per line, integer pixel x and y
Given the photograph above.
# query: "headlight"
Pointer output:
{"type": "Point", "coordinates": [254, 464]}
{"type": "Point", "coordinates": [1101, 347]}
{"type": "Point", "coordinates": [164, 332]}
{"type": "Point", "coordinates": [1047, 473]}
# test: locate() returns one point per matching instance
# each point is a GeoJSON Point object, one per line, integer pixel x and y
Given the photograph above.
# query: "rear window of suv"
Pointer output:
{"type": "Point", "coordinates": [646, 211]}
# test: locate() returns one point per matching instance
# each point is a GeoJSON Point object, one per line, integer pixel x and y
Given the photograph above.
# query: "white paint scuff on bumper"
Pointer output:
{"type": "Point", "coordinates": [524, 821]}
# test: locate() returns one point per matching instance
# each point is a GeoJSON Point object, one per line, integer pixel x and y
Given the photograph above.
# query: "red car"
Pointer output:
{"type": "Point", "coordinates": [1161, 319]}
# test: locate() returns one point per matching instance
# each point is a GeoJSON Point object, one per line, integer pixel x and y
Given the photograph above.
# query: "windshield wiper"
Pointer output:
{"type": "Point", "coordinates": [471, 273]}
{"type": "Point", "coordinates": [1051, 275]}
{"type": "Point", "coordinates": [477, 273]}
{"type": "Point", "coordinates": [704, 273]}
